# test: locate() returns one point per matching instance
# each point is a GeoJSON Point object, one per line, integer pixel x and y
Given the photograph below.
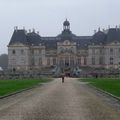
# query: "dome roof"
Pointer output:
{"type": "Point", "coordinates": [66, 23]}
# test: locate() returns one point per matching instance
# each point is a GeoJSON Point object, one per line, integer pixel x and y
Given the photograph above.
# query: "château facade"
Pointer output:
{"type": "Point", "coordinates": [30, 51]}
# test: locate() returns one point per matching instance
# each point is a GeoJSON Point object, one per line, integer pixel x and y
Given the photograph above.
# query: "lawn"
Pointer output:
{"type": "Point", "coordinates": [10, 86]}
{"type": "Point", "coordinates": [111, 85]}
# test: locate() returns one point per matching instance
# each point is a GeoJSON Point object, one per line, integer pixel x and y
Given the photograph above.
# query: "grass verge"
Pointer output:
{"type": "Point", "coordinates": [111, 85]}
{"type": "Point", "coordinates": [11, 86]}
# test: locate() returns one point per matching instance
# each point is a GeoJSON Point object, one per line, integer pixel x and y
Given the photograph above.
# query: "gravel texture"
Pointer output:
{"type": "Point", "coordinates": [72, 100]}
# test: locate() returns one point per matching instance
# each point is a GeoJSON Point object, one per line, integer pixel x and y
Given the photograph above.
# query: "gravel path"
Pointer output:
{"type": "Point", "coordinates": [71, 100]}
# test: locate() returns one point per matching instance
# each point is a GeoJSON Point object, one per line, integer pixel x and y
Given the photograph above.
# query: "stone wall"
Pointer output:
{"type": "Point", "coordinates": [18, 57]}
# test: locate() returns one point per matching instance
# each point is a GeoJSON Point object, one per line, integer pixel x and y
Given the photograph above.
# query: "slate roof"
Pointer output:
{"type": "Point", "coordinates": [50, 44]}
{"type": "Point", "coordinates": [98, 38]}
{"type": "Point", "coordinates": [113, 35]}
{"type": "Point", "coordinates": [66, 35]}
{"type": "Point", "coordinates": [19, 36]}
{"type": "Point", "coordinates": [110, 35]}
{"type": "Point", "coordinates": [83, 41]}
{"type": "Point", "coordinates": [33, 38]}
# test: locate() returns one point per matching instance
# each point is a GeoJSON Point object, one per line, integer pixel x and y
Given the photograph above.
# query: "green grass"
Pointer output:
{"type": "Point", "coordinates": [10, 86]}
{"type": "Point", "coordinates": [111, 85]}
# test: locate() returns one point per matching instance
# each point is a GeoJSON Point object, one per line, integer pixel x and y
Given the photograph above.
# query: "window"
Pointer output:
{"type": "Point", "coordinates": [40, 61]}
{"type": "Point", "coordinates": [54, 61]}
{"type": "Point", "coordinates": [111, 50]}
{"type": "Point", "coordinates": [48, 61]}
{"type": "Point", "coordinates": [22, 51]}
{"type": "Point", "coordinates": [101, 51]}
{"type": "Point", "coordinates": [111, 61]}
{"type": "Point", "coordinates": [40, 51]}
{"type": "Point", "coordinates": [119, 49]}
{"type": "Point", "coordinates": [85, 61]}
{"type": "Point", "coordinates": [13, 51]}
{"type": "Point", "coordinates": [66, 61]}
{"type": "Point", "coordinates": [14, 69]}
{"type": "Point", "coordinates": [93, 51]}
{"type": "Point", "coordinates": [93, 61]}
{"type": "Point", "coordinates": [61, 62]}
{"type": "Point", "coordinates": [111, 58]}
{"type": "Point", "coordinates": [72, 61]}
{"type": "Point", "coordinates": [61, 50]}
{"type": "Point", "coordinates": [79, 61]}
{"type": "Point", "coordinates": [32, 51]}
{"type": "Point", "coordinates": [32, 62]}
{"type": "Point", "coordinates": [101, 60]}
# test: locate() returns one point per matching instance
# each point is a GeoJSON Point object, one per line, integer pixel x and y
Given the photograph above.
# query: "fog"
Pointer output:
{"type": "Point", "coordinates": [47, 16]}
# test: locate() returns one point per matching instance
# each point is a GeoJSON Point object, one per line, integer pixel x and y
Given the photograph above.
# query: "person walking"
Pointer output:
{"type": "Point", "coordinates": [62, 78]}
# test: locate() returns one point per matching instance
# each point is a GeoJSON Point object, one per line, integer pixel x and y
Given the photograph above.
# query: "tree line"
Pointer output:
{"type": "Point", "coordinates": [4, 61]}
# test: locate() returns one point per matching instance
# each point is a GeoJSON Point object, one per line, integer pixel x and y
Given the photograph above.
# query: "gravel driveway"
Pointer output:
{"type": "Point", "coordinates": [71, 100]}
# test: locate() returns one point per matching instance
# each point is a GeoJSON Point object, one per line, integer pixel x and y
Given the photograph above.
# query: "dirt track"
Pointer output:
{"type": "Point", "coordinates": [71, 100]}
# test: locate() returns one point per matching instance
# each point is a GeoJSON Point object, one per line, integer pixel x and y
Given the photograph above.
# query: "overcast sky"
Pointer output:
{"type": "Point", "coordinates": [47, 16]}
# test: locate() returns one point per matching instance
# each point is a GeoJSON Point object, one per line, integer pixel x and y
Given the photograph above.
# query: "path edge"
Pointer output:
{"type": "Point", "coordinates": [20, 91]}
{"type": "Point", "coordinates": [104, 92]}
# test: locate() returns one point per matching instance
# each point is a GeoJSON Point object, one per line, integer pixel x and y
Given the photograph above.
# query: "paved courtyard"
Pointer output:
{"type": "Point", "coordinates": [71, 100]}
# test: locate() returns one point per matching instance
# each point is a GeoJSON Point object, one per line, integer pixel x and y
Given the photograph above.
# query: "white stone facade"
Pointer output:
{"type": "Point", "coordinates": [35, 52]}
{"type": "Point", "coordinates": [106, 56]}
{"type": "Point", "coordinates": [36, 57]}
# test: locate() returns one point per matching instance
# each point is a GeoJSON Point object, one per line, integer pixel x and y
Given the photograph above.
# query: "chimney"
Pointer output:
{"type": "Point", "coordinates": [33, 30]}
{"type": "Point", "coordinates": [116, 27]}
{"type": "Point", "coordinates": [99, 29]}
{"type": "Point", "coordinates": [38, 32]}
{"type": "Point", "coordinates": [103, 30]}
{"type": "Point", "coordinates": [94, 31]}
{"type": "Point", "coordinates": [29, 30]}
{"type": "Point", "coordinates": [25, 31]}
{"type": "Point", "coordinates": [16, 28]}
{"type": "Point", "coordinates": [23, 27]}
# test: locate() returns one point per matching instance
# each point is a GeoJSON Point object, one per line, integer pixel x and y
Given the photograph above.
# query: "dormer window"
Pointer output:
{"type": "Point", "coordinates": [13, 52]}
